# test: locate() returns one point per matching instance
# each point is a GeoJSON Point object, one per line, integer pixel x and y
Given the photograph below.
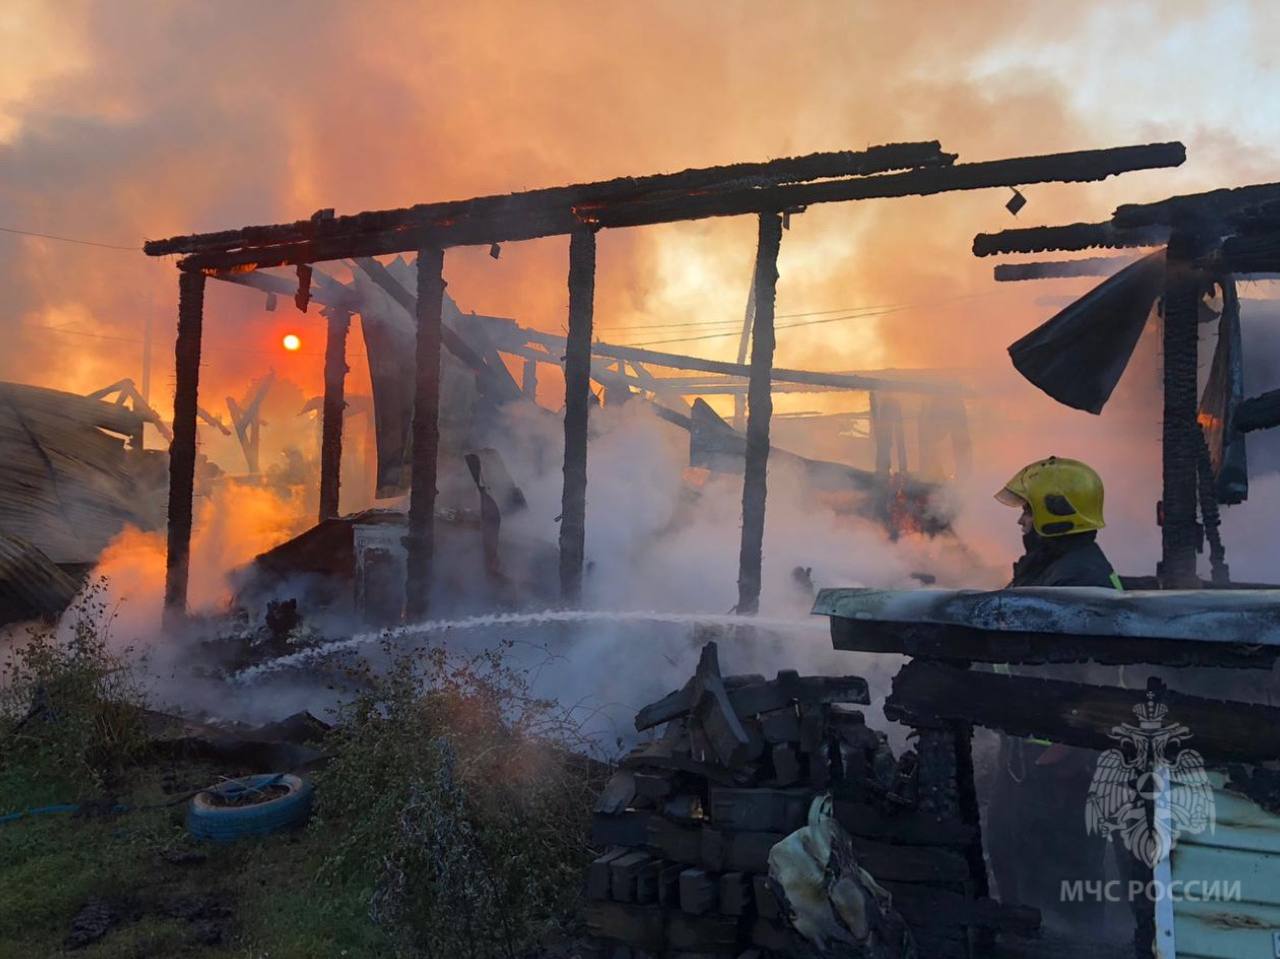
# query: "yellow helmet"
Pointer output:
{"type": "Point", "coordinates": [1065, 496]}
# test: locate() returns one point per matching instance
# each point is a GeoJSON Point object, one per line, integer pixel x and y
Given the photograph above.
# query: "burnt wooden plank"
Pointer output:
{"type": "Point", "coordinates": [640, 926]}
{"type": "Point", "coordinates": [876, 159]}
{"type": "Point", "coordinates": [755, 698]}
{"type": "Point", "coordinates": [748, 851]}
{"type": "Point", "coordinates": [1051, 269]}
{"type": "Point", "coordinates": [1074, 713]}
{"type": "Point", "coordinates": [629, 828]}
{"type": "Point", "coordinates": [682, 844]}
{"type": "Point", "coordinates": [599, 876]}
{"type": "Point", "coordinates": [1075, 167]}
{"type": "Point", "coordinates": [780, 726]}
{"type": "Point", "coordinates": [946, 641]}
{"type": "Point", "coordinates": [1074, 236]}
{"type": "Point", "coordinates": [624, 873]}
{"type": "Point", "coordinates": [698, 891]}
{"type": "Point", "coordinates": [786, 764]}
{"type": "Point", "coordinates": [618, 792]}
{"type": "Point", "coordinates": [506, 220]}
{"type": "Point", "coordinates": [735, 894]}
{"type": "Point", "coordinates": [759, 810]}
{"type": "Point", "coordinates": [709, 933]}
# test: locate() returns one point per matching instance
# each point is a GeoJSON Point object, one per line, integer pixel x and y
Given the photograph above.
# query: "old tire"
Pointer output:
{"type": "Point", "coordinates": [208, 819]}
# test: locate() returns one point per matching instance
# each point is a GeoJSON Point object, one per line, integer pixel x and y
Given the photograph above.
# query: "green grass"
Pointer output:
{"type": "Point", "coordinates": [50, 865]}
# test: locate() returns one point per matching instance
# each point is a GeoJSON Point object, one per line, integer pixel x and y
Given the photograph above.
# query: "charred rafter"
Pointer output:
{"type": "Point", "coordinates": [525, 216]}
{"type": "Point", "coordinates": [1056, 269]}
{"type": "Point", "coordinates": [538, 203]}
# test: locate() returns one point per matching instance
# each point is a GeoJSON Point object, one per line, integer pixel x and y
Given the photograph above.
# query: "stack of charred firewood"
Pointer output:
{"type": "Point", "coordinates": [687, 823]}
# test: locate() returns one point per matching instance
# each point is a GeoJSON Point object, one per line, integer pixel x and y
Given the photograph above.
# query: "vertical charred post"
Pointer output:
{"type": "Point", "coordinates": [577, 400]}
{"type": "Point", "coordinates": [759, 412]}
{"type": "Point", "coordinates": [182, 449]}
{"type": "Point", "coordinates": [335, 403]}
{"type": "Point", "coordinates": [1180, 434]}
{"type": "Point", "coordinates": [420, 543]}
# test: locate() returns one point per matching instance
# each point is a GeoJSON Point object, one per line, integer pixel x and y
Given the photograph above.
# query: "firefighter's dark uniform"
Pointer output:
{"type": "Point", "coordinates": [1035, 829]}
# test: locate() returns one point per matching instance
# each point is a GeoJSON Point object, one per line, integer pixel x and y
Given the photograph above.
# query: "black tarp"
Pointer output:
{"type": "Point", "coordinates": [1078, 356]}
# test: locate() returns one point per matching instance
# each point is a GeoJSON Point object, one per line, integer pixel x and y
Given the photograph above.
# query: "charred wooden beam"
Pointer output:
{"type": "Point", "coordinates": [1075, 167]}
{"type": "Point", "coordinates": [1076, 714]}
{"type": "Point", "coordinates": [956, 643]}
{"type": "Point", "coordinates": [549, 213]}
{"type": "Point", "coordinates": [420, 541]}
{"type": "Point", "coordinates": [496, 381]}
{"type": "Point", "coordinates": [1214, 211]}
{"type": "Point", "coordinates": [327, 290]}
{"type": "Point", "coordinates": [1057, 269]}
{"type": "Point", "coordinates": [1249, 254]}
{"type": "Point", "coordinates": [759, 412]}
{"type": "Point", "coordinates": [335, 375]}
{"type": "Point", "coordinates": [535, 204]}
{"type": "Point", "coordinates": [577, 400]}
{"type": "Point", "coordinates": [182, 449]}
{"type": "Point", "coordinates": [1258, 413]}
{"type": "Point", "coordinates": [1075, 236]}
{"type": "Point", "coordinates": [1181, 431]}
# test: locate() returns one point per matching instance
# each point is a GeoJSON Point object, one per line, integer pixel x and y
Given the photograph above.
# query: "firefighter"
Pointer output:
{"type": "Point", "coordinates": [1061, 503]}
{"type": "Point", "coordinates": [1037, 807]}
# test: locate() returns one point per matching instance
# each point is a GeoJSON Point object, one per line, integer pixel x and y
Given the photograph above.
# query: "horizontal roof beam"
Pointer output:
{"type": "Point", "coordinates": [1074, 236]}
{"type": "Point", "coordinates": [528, 216]}
{"type": "Point", "coordinates": [876, 159]}
{"type": "Point", "coordinates": [1059, 269]}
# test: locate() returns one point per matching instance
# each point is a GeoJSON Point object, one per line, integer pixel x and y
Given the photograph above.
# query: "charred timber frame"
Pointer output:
{"type": "Point", "coordinates": [1075, 714]}
{"type": "Point", "coordinates": [420, 541]}
{"type": "Point", "coordinates": [1219, 232]}
{"type": "Point", "coordinates": [335, 403]}
{"type": "Point", "coordinates": [759, 413]}
{"type": "Point", "coordinates": [182, 449]}
{"type": "Point", "coordinates": [770, 188]}
{"type": "Point", "coordinates": [577, 401]}
{"type": "Point", "coordinates": [647, 201]}
{"type": "Point", "coordinates": [1181, 433]}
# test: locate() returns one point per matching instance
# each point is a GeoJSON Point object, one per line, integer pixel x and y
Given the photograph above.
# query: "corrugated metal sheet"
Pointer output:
{"type": "Point", "coordinates": [1243, 848]}
{"type": "Point", "coordinates": [30, 584]}
{"type": "Point", "coordinates": [65, 483]}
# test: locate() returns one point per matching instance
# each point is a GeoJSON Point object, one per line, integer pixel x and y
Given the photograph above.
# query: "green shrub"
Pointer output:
{"type": "Point", "coordinates": [455, 801]}
{"type": "Point", "coordinates": [71, 709]}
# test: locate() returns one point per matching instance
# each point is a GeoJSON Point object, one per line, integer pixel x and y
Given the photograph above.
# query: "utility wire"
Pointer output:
{"type": "Point", "coordinates": [68, 239]}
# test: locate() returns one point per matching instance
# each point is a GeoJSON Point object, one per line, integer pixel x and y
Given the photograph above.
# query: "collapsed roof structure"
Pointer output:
{"type": "Point", "coordinates": [68, 487]}
{"type": "Point", "coordinates": [772, 191]}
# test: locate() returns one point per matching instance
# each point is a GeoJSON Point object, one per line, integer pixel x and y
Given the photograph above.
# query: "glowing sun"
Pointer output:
{"type": "Point", "coordinates": [291, 342]}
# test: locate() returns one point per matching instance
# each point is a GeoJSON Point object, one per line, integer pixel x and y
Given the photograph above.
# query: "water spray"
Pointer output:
{"type": "Point", "coordinates": [517, 620]}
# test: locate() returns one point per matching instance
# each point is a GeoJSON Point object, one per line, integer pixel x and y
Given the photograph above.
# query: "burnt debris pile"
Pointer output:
{"type": "Point", "coordinates": [688, 821]}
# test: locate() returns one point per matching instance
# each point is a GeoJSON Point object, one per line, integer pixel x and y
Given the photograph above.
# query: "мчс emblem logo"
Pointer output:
{"type": "Point", "coordinates": [1143, 793]}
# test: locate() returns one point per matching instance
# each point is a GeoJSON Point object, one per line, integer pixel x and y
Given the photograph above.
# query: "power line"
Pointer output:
{"type": "Point", "coordinates": [68, 239]}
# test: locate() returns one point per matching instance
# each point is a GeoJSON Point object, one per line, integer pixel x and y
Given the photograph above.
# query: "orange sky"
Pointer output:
{"type": "Point", "coordinates": [123, 120]}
